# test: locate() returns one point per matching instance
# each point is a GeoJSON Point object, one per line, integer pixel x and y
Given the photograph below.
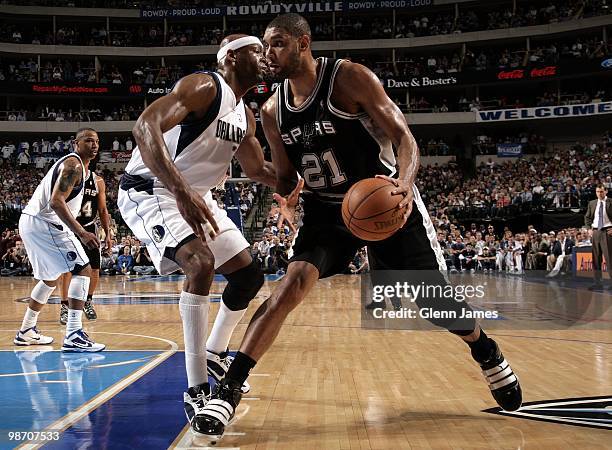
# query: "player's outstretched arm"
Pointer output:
{"type": "Point", "coordinates": [361, 85]}
{"type": "Point", "coordinates": [286, 175]}
{"type": "Point", "coordinates": [103, 211]}
{"type": "Point", "coordinates": [251, 157]}
{"type": "Point", "coordinates": [70, 174]}
{"type": "Point", "coordinates": [192, 96]}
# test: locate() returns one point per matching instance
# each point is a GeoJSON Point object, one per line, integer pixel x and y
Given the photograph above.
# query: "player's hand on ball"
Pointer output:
{"type": "Point", "coordinates": [89, 240]}
{"type": "Point", "coordinates": [287, 204]}
{"type": "Point", "coordinates": [197, 215]}
{"type": "Point", "coordinates": [402, 188]}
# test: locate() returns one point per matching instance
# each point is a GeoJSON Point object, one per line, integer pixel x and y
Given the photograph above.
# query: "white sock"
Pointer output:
{"type": "Point", "coordinates": [29, 319]}
{"type": "Point", "coordinates": [74, 320]}
{"type": "Point", "coordinates": [222, 329]}
{"type": "Point", "coordinates": [194, 313]}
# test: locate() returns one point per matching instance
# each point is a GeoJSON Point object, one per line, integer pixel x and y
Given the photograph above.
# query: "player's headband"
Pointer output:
{"type": "Point", "coordinates": [235, 45]}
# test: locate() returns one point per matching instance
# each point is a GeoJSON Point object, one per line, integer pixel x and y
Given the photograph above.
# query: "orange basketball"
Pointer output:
{"type": "Point", "coordinates": [369, 210]}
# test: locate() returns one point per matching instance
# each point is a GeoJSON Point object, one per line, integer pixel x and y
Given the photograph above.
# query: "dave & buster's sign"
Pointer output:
{"type": "Point", "coordinates": [393, 83]}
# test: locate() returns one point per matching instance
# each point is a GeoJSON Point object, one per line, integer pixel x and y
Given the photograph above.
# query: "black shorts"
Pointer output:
{"type": "Point", "coordinates": [325, 242]}
{"type": "Point", "coordinates": [93, 255]}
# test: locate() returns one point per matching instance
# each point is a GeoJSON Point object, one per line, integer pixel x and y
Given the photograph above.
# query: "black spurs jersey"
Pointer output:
{"type": "Point", "coordinates": [89, 207]}
{"type": "Point", "coordinates": [331, 149]}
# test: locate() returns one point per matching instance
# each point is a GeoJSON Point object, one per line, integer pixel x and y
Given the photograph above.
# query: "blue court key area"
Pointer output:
{"type": "Point", "coordinates": [148, 414]}
{"type": "Point", "coordinates": [57, 384]}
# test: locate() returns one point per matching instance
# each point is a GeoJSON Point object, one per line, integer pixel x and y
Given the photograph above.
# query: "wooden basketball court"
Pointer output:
{"type": "Point", "coordinates": [326, 383]}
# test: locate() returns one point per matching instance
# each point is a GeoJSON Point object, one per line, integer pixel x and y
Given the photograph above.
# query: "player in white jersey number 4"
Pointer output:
{"type": "Point", "coordinates": [186, 142]}
{"type": "Point", "coordinates": [49, 231]}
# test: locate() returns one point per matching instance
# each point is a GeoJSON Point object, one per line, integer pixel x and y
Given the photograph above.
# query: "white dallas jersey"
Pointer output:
{"type": "Point", "coordinates": [39, 204]}
{"type": "Point", "coordinates": [202, 150]}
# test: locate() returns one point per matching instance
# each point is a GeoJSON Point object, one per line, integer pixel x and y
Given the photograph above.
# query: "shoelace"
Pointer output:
{"type": "Point", "coordinates": [201, 399]}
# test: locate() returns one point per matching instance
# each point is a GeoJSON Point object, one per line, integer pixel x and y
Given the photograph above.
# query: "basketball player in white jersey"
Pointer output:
{"type": "Point", "coordinates": [186, 141]}
{"type": "Point", "coordinates": [52, 237]}
{"type": "Point", "coordinates": [93, 205]}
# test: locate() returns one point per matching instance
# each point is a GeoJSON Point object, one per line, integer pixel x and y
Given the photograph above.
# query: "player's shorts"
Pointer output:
{"type": "Point", "coordinates": [325, 242]}
{"type": "Point", "coordinates": [152, 215]}
{"type": "Point", "coordinates": [92, 254]}
{"type": "Point", "coordinates": [52, 249]}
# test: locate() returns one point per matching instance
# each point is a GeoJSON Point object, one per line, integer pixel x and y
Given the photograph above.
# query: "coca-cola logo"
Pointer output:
{"type": "Point", "coordinates": [519, 74]}
{"type": "Point", "coordinates": [511, 75]}
{"type": "Point", "coordinates": [547, 71]}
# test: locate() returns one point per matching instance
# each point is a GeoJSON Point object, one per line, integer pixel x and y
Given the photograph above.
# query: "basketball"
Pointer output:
{"type": "Point", "coordinates": [369, 210]}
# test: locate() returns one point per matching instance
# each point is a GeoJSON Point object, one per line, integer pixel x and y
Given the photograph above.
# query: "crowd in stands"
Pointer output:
{"type": "Point", "coordinates": [275, 247]}
{"type": "Point", "coordinates": [80, 72]}
{"type": "Point", "coordinates": [93, 113]}
{"type": "Point", "coordinates": [564, 180]}
{"type": "Point", "coordinates": [513, 58]}
{"type": "Point", "coordinates": [483, 249]}
{"type": "Point", "coordinates": [405, 65]}
{"type": "Point", "coordinates": [443, 22]}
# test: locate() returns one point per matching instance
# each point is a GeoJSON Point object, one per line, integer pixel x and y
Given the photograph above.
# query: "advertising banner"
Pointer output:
{"type": "Point", "coordinates": [544, 112]}
{"type": "Point", "coordinates": [510, 150]}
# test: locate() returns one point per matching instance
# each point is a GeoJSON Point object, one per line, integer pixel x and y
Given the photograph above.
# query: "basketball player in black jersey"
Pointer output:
{"type": "Point", "coordinates": [94, 204]}
{"type": "Point", "coordinates": [332, 122]}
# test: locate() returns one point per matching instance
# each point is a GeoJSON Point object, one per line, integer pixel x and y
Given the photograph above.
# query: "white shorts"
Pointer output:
{"type": "Point", "coordinates": [51, 251]}
{"type": "Point", "coordinates": [156, 221]}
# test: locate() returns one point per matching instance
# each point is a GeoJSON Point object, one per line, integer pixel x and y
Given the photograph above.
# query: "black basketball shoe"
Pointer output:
{"type": "Point", "coordinates": [194, 401]}
{"type": "Point", "coordinates": [219, 410]}
{"type": "Point", "coordinates": [503, 383]}
{"type": "Point", "coordinates": [218, 364]}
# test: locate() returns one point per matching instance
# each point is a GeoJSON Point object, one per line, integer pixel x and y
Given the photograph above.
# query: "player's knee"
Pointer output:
{"type": "Point", "coordinates": [42, 292]}
{"type": "Point", "coordinates": [79, 287]}
{"type": "Point", "coordinates": [199, 263]}
{"type": "Point", "coordinates": [242, 286]}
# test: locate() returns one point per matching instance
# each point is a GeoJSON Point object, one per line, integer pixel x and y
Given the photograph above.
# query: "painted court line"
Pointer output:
{"type": "Point", "coordinates": [99, 366]}
{"type": "Point", "coordinates": [76, 415]}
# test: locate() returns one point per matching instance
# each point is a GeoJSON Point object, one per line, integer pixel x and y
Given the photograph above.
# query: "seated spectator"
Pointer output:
{"type": "Point", "coordinates": [143, 264]}
{"type": "Point", "coordinates": [125, 262]}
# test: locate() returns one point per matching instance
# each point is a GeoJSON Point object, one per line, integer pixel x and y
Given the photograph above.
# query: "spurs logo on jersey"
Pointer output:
{"type": "Point", "coordinates": [305, 133]}
{"type": "Point", "coordinates": [202, 150]}
{"type": "Point", "coordinates": [89, 207]}
{"type": "Point", "coordinates": [330, 148]}
{"type": "Point", "coordinates": [39, 204]}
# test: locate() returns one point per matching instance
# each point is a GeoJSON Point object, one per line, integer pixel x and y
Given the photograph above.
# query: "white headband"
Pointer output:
{"type": "Point", "coordinates": [235, 45]}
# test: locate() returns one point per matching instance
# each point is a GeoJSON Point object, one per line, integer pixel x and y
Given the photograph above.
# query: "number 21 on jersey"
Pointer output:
{"type": "Point", "coordinates": [313, 168]}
